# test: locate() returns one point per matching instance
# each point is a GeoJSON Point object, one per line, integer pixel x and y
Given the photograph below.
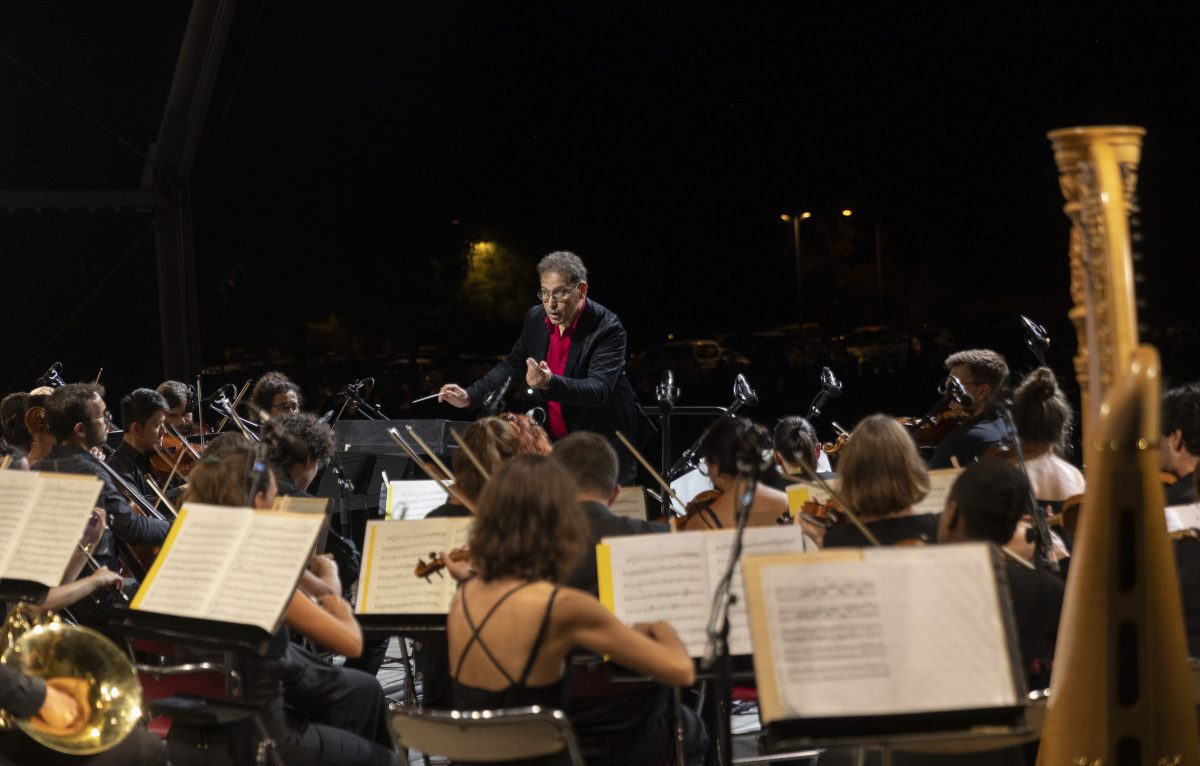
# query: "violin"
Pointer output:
{"type": "Point", "coordinates": [929, 431]}
{"type": "Point", "coordinates": [833, 447]}
{"type": "Point", "coordinates": [827, 514]}
{"type": "Point", "coordinates": [436, 563]}
{"type": "Point", "coordinates": [700, 512]}
{"type": "Point", "coordinates": [175, 456]}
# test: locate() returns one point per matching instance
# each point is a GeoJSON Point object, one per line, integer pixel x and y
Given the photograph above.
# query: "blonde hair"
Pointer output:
{"type": "Point", "coordinates": [881, 471]}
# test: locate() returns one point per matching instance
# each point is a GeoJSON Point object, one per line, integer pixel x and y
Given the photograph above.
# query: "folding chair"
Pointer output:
{"type": "Point", "coordinates": [483, 735]}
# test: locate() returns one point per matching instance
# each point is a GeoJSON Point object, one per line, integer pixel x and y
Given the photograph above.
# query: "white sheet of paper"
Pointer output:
{"type": "Point", "coordinates": [18, 490]}
{"type": "Point", "coordinates": [185, 582]}
{"type": "Point", "coordinates": [60, 514]}
{"type": "Point", "coordinates": [412, 500]}
{"type": "Point", "coordinates": [940, 481]}
{"type": "Point", "coordinates": [901, 631]}
{"type": "Point", "coordinates": [691, 484]}
{"type": "Point", "coordinates": [1181, 517]}
{"type": "Point", "coordinates": [630, 503]}
{"type": "Point", "coordinates": [389, 584]}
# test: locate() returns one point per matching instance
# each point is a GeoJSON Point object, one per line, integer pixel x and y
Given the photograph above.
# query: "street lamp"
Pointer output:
{"type": "Point", "coordinates": [795, 220]}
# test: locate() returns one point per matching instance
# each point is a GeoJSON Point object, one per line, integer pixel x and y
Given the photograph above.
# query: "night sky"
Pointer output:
{"type": "Point", "coordinates": [353, 151]}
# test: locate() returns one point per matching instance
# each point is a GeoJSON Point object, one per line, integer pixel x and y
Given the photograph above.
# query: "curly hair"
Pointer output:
{"type": "Point", "coordinates": [1181, 412]}
{"type": "Point", "coordinates": [563, 262]}
{"type": "Point", "coordinates": [270, 385]}
{"type": "Point", "coordinates": [986, 366]}
{"type": "Point", "coordinates": [881, 471]}
{"type": "Point", "coordinates": [297, 437]}
{"type": "Point", "coordinates": [1040, 410]}
{"type": "Point", "coordinates": [528, 525]}
{"type": "Point", "coordinates": [174, 392]}
{"type": "Point", "coordinates": [493, 441]}
{"type": "Point", "coordinates": [796, 441]}
{"type": "Point", "coordinates": [532, 437]}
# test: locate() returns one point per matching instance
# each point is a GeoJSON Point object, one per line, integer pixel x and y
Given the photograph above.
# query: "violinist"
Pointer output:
{"type": "Point", "coordinates": [76, 417]}
{"type": "Point", "coordinates": [178, 398]}
{"type": "Point", "coordinates": [882, 478]}
{"type": "Point", "coordinates": [985, 503]}
{"type": "Point", "coordinates": [24, 418]}
{"type": "Point", "coordinates": [720, 447]}
{"type": "Point", "coordinates": [143, 412]}
{"type": "Point", "coordinates": [1043, 420]}
{"type": "Point", "coordinates": [1179, 447]}
{"type": "Point", "coordinates": [276, 394]}
{"type": "Point", "coordinates": [983, 374]}
{"type": "Point", "coordinates": [796, 447]}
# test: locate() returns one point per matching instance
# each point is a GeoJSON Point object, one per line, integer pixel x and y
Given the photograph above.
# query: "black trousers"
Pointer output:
{"type": "Point", "coordinates": [335, 696]}
{"type": "Point", "coordinates": [140, 748]}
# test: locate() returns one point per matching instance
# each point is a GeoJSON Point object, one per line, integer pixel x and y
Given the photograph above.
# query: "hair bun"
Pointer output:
{"type": "Point", "coordinates": [1040, 384]}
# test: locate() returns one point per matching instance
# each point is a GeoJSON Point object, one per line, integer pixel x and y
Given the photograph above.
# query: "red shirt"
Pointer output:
{"type": "Point", "coordinates": [556, 360]}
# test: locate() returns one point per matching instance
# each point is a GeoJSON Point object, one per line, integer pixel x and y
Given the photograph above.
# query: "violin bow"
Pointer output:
{"type": "Point", "coordinates": [233, 407]}
{"type": "Point", "coordinates": [421, 443]}
{"type": "Point", "coordinates": [470, 453]}
{"type": "Point", "coordinates": [5, 462]}
{"type": "Point", "coordinates": [162, 498]}
{"type": "Point", "coordinates": [445, 485]}
{"type": "Point", "coordinates": [174, 469]}
{"type": "Point", "coordinates": [650, 469]}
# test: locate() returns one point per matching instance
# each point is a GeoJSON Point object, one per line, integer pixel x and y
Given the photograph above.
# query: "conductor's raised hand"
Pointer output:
{"type": "Point", "coordinates": [452, 393]}
{"type": "Point", "coordinates": [537, 374]}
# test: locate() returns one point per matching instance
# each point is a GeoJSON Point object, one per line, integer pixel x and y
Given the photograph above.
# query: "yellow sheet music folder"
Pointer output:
{"type": "Point", "coordinates": [881, 631]}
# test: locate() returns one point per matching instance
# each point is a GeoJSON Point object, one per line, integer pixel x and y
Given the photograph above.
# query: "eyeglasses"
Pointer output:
{"type": "Point", "coordinates": [559, 294]}
{"type": "Point", "coordinates": [286, 407]}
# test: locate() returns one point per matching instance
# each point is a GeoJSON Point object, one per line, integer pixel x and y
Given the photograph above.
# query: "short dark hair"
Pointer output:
{"type": "Point", "coordinates": [563, 262]}
{"type": "Point", "coordinates": [174, 392]}
{"type": "Point", "coordinates": [139, 405]}
{"type": "Point", "coordinates": [12, 420]}
{"type": "Point", "coordinates": [726, 438]}
{"type": "Point", "coordinates": [68, 406]}
{"type": "Point", "coordinates": [991, 496]}
{"type": "Point", "coordinates": [1040, 410]}
{"type": "Point", "coordinates": [986, 366]}
{"type": "Point", "coordinates": [796, 441]}
{"type": "Point", "coordinates": [1181, 412]}
{"type": "Point", "coordinates": [269, 386]}
{"type": "Point", "coordinates": [528, 524]}
{"type": "Point", "coordinates": [297, 437]}
{"type": "Point", "coordinates": [590, 459]}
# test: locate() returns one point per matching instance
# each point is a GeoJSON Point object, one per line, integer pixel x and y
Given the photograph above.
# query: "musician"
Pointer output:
{"type": "Point", "coordinates": [143, 412]}
{"type": "Point", "coordinates": [343, 712]}
{"type": "Point", "coordinates": [571, 353]}
{"type": "Point", "coordinates": [983, 374]}
{"type": "Point", "coordinates": [882, 478]}
{"type": "Point", "coordinates": [1179, 447]}
{"type": "Point", "coordinates": [512, 626]}
{"type": "Point", "coordinates": [76, 417]}
{"type": "Point", "coordinates": [985, 503]}
{"type": "Point", "coordinates": [631, 725]}
{"type": "Point", "coordinates": [24, 422]}
{"type": "Point", "coordinates": [797, 448]}
{"type": "Point", "coordinates": [726, 446]}
{"type": "Point", "coordinates": [1043, 419]}
{"type": "Point", "coordinates": [51, 705]}
{"type": "Point", "coordinates": [276, 394]}
{"type": "Point", "coordinates": [178, 397]}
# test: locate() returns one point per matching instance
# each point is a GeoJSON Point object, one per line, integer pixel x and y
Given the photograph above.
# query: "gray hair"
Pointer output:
{"type": "Point", "coordinates": [563, 262]}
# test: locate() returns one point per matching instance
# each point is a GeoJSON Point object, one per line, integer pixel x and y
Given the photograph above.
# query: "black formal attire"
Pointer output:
{"type": "Point", "coordinates": [1187, 567]}
{"type": "Point", "coordinates": [888, 531]}
{"type": "Point", "coordinates": [969, 441]}
{"type": "Point", "coordinates": [22, 696]}
{"type": "Point", "coordinates": [1183, 491]}
{"type": "Point", "coordinates": [593, 390]}
{"type": "Point", "coordinates": [123, 525]}
{"type": "Point", "coordinates": [133, 467]}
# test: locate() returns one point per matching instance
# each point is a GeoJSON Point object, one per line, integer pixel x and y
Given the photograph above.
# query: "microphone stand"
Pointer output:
{"type": "Point", "coordinates": [372, 412]}
{"type": "Point", "coordinates": [716, 648]}
{"type": "Point", "coordinates": [1042, 539]}
{"type": "Point", "coordinates": [667, 393]}
{"type": "Point", "coordinates": [686, 461]}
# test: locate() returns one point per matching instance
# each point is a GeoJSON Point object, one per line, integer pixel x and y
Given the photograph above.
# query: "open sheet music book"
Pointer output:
{"type": "Point", "coordinates": [42, 517]}
{"type": "Point", "coordinates": [630, 503]}
{"type": "Point", "coordinates": [672, 577]}
{"type": "Point", "coordinates": [879, 632]}
{"type": "Point", "coordinates": [940, 481]}
{"type": "Point", "coordinates": [228, 564]}
{"type": "Point", "coordinates": [389, 583]}
{"type": "Point", "coordinates": [412, 499]}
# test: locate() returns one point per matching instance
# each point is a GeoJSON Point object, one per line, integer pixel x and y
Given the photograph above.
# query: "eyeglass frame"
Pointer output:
{"type": "Point", "coordinates": [551, 295]}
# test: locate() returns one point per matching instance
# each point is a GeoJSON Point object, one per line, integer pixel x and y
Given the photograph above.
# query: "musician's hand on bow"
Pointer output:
{"type": "Point", "coordinates": [94, 529]}
{"type": "Point", "coordinates": [537, 374]}
{"type": "Point", "coordinates": [105, 578]}
{"type": "Point", "coordinates": [458, 563]}
{"type": "Point", "coordinates": [451, 393]}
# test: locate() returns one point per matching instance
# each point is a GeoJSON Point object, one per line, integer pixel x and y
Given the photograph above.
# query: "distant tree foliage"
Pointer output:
{"type": "Point", "coordinates": [499, 284]}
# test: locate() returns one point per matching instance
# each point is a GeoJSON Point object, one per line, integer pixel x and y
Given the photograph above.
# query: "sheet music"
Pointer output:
{"type": "Point", "coordinates": [1181, 517]}
{"type": "Point", "coordinates": [413, 500]}
{"type": "Point", "coordinates": [389, 584]}
{"type": "Point", "coordinates": [801, 492]}
{"type": "Point", "coordinates": [18, 490]}
{"type": "Point", "coordinates": [187, 573]}
{"type": "Point", "coordinates": [940, 481]}
{"type": "Point", "coordinates": [262, 577]}
{"type": "Point", "coordinates": [630, 503]}
{"type": "Point", "coordinates": [663, 577]}
{"type": "Point", "coordinates": [899, 631]}
{"type": "Point", "coordinates": [673, 578]}
{"type": "Point", "coordinates": [59, 516]}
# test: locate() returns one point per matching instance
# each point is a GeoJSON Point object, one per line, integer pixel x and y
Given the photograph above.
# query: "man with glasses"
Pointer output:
{"type": "Point", "coordinates": [571, 356]}
{"type": "Point", "coordinates": [983, 374]}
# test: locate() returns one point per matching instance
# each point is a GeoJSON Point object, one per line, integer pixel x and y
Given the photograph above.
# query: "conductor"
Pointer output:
{"type": "Point", "coordinates": [571, 354]}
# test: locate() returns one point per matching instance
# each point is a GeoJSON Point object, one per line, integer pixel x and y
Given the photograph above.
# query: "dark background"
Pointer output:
{"type": "Point", "coordinates": [354, 151]}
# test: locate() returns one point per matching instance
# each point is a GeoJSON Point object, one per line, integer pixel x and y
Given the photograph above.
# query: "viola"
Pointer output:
{"type": "Point", "coordinates": [436, 563]}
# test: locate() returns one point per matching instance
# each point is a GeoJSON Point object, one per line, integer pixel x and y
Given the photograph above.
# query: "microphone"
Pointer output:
{"type": "Point", "coordinates": [52, 377]}
{"type": "Point", "coordinates": [742, 391]}
{"type": "Point", "coordinates": [359, 385]}
{"type": "Point", "coordinates": [226, 392]}
{"type": "Point", "coordinates": [667, 392]}
{"type": "Point", "coordinates": [829, 382]}
{"type": "Point", "coordinates": [495, 400]}
{"type": "Point", "coordinates": [954, 389]}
